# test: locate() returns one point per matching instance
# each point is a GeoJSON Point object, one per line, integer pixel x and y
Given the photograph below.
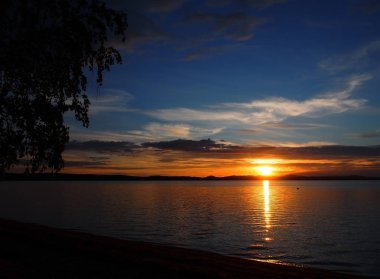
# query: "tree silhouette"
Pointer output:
{"type": "Point", "coordinates": [46, 49]}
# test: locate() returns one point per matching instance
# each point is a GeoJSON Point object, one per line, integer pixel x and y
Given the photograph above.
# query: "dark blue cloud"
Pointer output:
{"type": "Point", "coordinates": [373, 134]}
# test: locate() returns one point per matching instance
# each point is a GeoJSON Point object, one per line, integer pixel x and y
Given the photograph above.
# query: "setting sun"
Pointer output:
{"type": "Point", "coordinates": [265, 170]}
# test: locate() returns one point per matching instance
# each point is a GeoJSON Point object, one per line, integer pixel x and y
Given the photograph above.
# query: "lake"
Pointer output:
{"type": "Point", "coordinates": [327, 224]}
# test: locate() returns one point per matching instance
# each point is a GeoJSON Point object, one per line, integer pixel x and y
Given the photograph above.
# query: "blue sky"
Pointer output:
{"type": "Point", "coordinates": [246, 73]}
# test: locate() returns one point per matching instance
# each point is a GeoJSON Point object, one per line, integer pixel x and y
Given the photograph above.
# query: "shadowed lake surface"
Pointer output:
{"type": "Point", "coordinates": [328, 224]}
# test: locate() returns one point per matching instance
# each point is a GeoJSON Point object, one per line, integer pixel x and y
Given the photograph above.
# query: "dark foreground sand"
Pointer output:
{"type": "Point", "coordinates": [34, 251]}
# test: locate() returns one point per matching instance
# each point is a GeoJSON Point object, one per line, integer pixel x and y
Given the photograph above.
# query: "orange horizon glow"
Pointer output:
{"type": "Point", "coordinates": [152, 169]}
{"type": "Point", "coordinates": [149, 163]}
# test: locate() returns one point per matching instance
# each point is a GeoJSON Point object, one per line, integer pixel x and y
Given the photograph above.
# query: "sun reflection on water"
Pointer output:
{"type": "Point", "coordinates": [267, 213]}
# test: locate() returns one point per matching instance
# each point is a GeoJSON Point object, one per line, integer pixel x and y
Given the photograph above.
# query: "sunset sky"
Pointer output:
{"type": "Point", "coordinates": [222, 87]}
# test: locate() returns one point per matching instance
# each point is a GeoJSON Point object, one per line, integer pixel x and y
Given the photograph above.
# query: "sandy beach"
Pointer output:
{"type": "Point", "coordinates": [35, 251]}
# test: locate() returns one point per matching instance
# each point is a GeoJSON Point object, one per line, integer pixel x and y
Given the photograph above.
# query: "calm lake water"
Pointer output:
{"type": "Point", "coordinates": [327, 224]}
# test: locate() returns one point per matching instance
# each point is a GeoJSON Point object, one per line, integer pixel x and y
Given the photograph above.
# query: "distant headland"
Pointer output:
{"type": "Point", "coordinates": [106, 177]}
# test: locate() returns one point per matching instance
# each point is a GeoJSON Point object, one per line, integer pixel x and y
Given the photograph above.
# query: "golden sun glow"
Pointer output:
{"type": "Point", "coordinates": [265, 170]}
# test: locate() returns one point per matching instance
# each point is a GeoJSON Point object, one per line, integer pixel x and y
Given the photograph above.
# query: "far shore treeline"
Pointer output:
{"type": "Point", "coordinates": [93, 177]}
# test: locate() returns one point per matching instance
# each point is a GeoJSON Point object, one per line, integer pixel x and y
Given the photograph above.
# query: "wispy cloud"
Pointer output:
{"type": "Point", "coordinates": [372, 134]}
{"type": "Point", "coordinates": [219, 33]}
{"type": "Point", "coordinates": [164, 6]}
{"type": "Point", "coordinates": [142, 31]}
{"type": "Point", "coordinates": [290, 144]}
{"type": "Point", "coordinates": [168, 130]}
{"type": "Point", "coordinates": [247, 132]}
{"type": "Point", "coordinates": [294, 126]}
{"type": "Point", "coordinates": [359, 58]}
{"type": "Point", "coordinates": [111, 100]}
{"type": "Point", "coordinates": [159, 131]}
{"type": "Point", "coordinates": [271, 110]}
{"type": "Point", "coordinates": [204, 52]}
{"type": "Point", "coordinates": [185, 114]}
{"type": "Point", "coordinates": [108, 147]}
{"type": "Point", "coordinates": [237, 26]}
{"type": "Point", "coordinates": [259, 4]}
{"type": "Point", "coordinates": [149, 132]}
{"type": "Point", "coordinates": [211, 31]}
{"type": "Point", "coordinates": [89, 134]}
{"type": "Point", "coordinates": [180, 130]}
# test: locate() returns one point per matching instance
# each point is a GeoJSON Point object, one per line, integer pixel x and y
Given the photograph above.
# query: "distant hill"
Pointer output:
{"type": "Point", "coordinates": [93, 177]}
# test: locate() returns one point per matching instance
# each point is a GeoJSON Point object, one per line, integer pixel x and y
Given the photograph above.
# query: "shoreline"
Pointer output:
{"type": "Point", "coordinates": [37, 251]}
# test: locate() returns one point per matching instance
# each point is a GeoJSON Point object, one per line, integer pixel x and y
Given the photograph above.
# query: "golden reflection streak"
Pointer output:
{"type": "Point", "coordinates": [267, 215]}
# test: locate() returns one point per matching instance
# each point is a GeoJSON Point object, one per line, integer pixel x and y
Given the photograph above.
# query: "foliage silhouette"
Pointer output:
{"type": "Point", "coordinates": [46, 49]}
